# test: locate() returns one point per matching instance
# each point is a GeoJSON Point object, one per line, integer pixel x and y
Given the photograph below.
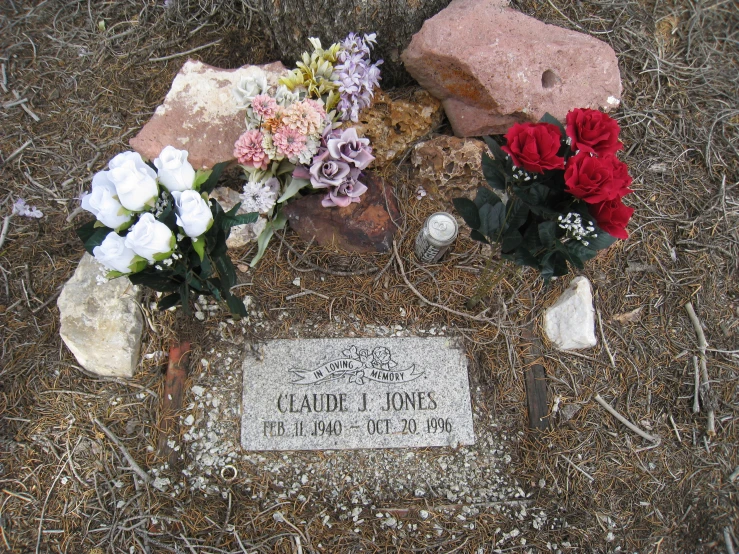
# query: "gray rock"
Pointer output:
{"type": "Point", "coordinates": [101, 324]}
{"type": "Point", "coordinates": [241, 235]}
{"type": "Point", "coordinates": [570, 322]}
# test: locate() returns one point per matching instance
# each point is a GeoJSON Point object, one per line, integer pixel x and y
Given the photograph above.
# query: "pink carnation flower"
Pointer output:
{"type": "Point", "coordinates": [264, 106]}
{"type": "Point", "coordinates": [248, 150]}
{"type": "Point", "coordinates": [306, 117]}
{"type": "Point", "coordinates": [289, 141]}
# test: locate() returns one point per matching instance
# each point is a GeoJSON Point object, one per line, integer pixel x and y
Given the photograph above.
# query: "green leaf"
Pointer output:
{"type": "Point", "coordinates": [210, 183]}
{"type": "Point", "coordinates": [114, 274]}
{"type": "Point", "coordinates": [199, 247]}
{"type": "Point", "coordinates": [478, 236]}
{"type": "Point", "coordinates": [185, 297]}
{"type": "Point", "coordinates": [549, 118]}
{"type": "Point", "coordinates": [493, 172]}
{"type": "Point", "coordinates": [511, 241]}
{"type": "Point", "coordinates": [560, 265]}
{"type": "Point", "coordinates": [262, 242]}
{"type": "Point", "coordinates": [546, 266]}
{"type": "Point", "coordinates": [284, 167]}
{"type": "Point", "coordinates": [235, 305]}
{"type": "Point", "coordinates": [535, 195]}
{"type": "Point", "coordinates": [486, 196]}
{"type": "Point", "coordinates": [495, 148]}
{"type": "Point", "coordinates": [468, 210]}
{"type": "Point", "coordinates": [292, 188]}
{"type": "Point", "coordinates": [518, 213]}
{"type": "Point", "coordinates": [92, 236]}
{"type": "Point", "coordinates": [603, 240]}
{"type": "Point", "coordinates": [201, 176]}
{"type": "Point", "coordinates": [492, 218]}
{"type": "Point", "coordinates": [226, 270]}
{"type": "Point", "coordinates": [580, 252]}
{"type": "Point", "coordinates": [548, 232]}
{"type": "Point", "coordinates": [168, 301]}
{"type": "Point", "coordinates": [523, 257]}
{"type": "Point", "coordinates": [153, 279]}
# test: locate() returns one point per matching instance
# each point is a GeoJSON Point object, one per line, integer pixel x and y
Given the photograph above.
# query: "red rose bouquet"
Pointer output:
{"type": "Point", "coordinates": [563, 188]}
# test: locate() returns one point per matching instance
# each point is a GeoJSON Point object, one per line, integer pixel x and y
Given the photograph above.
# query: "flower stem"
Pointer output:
{"type": "Point", "coordinates": [490, 277]}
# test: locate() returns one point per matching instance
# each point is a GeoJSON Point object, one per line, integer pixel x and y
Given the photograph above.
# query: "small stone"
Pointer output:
{"type": "Point", "coordinates": [200, 114]}
{"type": "Point", "coordinates": [570, 322]}
{"type": "Point", "coordinates": [296, 281]}
{"type": "Point", "coordinates": [101, 324]}
{"type": "Point", "coordinates": [423, 514]}
{"type": "Point", "coordinates": [390, 522]}
{"type": "Point", "coordinates": [189, 420]}
{"type": "Point", "coordinates": [393, 126]}
{"type": "Point", "coordinates": [492, 66]}
{"type": "Point", "coordinates": [365, 227]}
{"type": "Point", "coordinates": [241, 235]}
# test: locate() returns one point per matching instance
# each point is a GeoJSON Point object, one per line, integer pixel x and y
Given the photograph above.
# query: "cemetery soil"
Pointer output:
{"type": "Point", "coordinates": [81, 78]}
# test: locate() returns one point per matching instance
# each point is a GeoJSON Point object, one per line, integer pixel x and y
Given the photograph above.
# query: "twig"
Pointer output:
{"type": "Point", "coordinates": [323, 269]}
{"type": "Point", "coordinates": [605, 342]}
{"type": "Point", "coordinates": [14, 103]}
{"type": "Point", "coordinates": [136, 467]}
{"type": "Point", "coordinates": [578, 468]}
{"type": "Point", "coordinates": [49, 301]}
{"type": "Point", "coordinates": [696, 395]}
{"type": "Point", "coordinates": [4, 79]}
{"type": "Point", "coordinates": [305, 293]}
{"type": "Point", "coordinates": [25, 107]}
{"type": "Point", "coordinates": [46, 502]}
{"type": "Point", "coordinates": [727, 540]}
{"type": "Point", "coordinates": [706, 386]}
{"type": "Point", "coordinates": [427, 301]}
{"type": "Point", "coordinates": [734, 475]}
{"type": "Point", "coordinates": [4, 232]}
{"type": "Point", "coordinates": [674, 428]}
{"type": "Point", "coordinates": [17, 151]}
{"type": "Point", "coordinates": [622, 419]}
{"type": "Point", "coordinates": [180, 54]}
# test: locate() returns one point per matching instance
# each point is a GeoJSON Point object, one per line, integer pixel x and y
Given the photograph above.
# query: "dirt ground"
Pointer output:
{"type": "Point", "coordinates": [91, 74]}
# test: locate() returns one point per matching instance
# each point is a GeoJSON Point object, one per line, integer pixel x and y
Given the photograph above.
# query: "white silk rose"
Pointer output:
{"type": "Point", "coordinates": [114, 254]}
{"type": "Point", "coordinates": [102, 203]}
{"type": "Point", "coordinates": [135, 182]}
{"type": "Point", "coordinates": [193, 213]}
{"type": "Point", "coordinates": [151, 239]}
{"type": "Point", "coordinates": [173, 169]}
{"type": "Point", "coordinates": [250, 86]}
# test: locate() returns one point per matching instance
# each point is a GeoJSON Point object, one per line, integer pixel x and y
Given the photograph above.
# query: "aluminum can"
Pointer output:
{"type": "Point", "coordinates": [436, 237]}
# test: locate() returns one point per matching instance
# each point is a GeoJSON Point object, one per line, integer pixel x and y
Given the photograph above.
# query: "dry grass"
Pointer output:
{"type": "Point", "coordinates": [92, 89]}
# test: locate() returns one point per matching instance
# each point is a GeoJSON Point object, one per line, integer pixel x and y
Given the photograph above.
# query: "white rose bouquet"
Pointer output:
{"type": "Point", "coordinates": [155, 224]}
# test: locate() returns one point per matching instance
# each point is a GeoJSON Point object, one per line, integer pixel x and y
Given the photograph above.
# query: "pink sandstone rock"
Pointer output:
{"type": "Point", "coordinates": [200, 114]}
{"type": "Point", "coordinates": [492, 66]}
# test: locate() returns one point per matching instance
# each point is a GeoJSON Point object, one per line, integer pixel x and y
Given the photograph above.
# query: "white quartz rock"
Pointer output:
{"type": "Point", "coordinates": [570, 322]}
{"type": "Point", "coordinates": [101, 323]}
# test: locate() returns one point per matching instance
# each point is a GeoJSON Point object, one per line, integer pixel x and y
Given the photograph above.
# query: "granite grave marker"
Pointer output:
{"type": "Point", "coordinates": [325, 394]}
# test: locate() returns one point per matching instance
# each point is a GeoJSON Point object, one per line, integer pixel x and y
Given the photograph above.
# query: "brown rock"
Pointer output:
{"type": "Point", "coordinates": [492, 66]}
{"type": "Point", "coordinates": [394, 125]}
{"type": "Point", "coordinates": [200, 114]}
{"type": "Point", "coordinates": [449, 167]}
{"type": "Point", "coordinates": [363, 227]}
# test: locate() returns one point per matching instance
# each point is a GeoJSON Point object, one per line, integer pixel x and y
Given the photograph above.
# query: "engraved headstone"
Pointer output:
{"type": "Point", "coordinates": [325, 394]}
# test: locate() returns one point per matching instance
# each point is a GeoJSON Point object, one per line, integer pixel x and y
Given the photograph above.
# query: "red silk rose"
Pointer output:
{"type": "Point", "coordinates": [596, 180]}
{"type": "Point", "coordinates": [593, 131]}
{"type": "Point", "coordinates": [612, 216]}
{"type": "Point", "coordinates": [534, 146]}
